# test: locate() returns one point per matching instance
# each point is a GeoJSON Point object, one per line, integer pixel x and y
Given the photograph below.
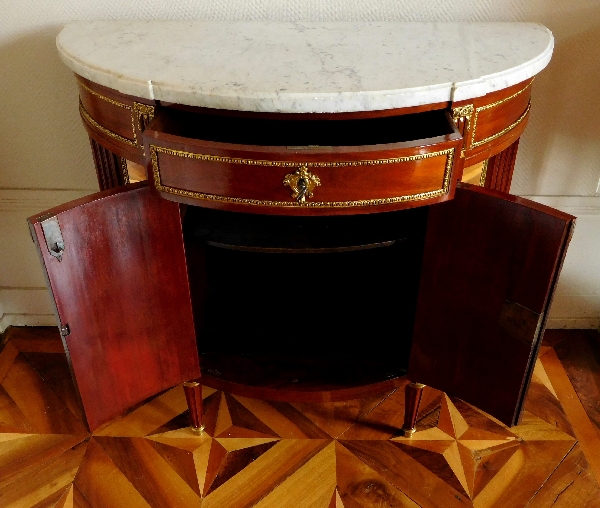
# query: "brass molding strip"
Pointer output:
{"type": "Point", "coordinates": [474, 143]}
{"type": "Point", "coordinates": [154, 150]}
{"type": "Point", "coordinates": [138, 113]}
{"type": "Point", "coordinates": [503, 131]}
{"type": "Point", "coordinates": [484, 169]}
{"type": "Point", "coordinates": [465, 112]}
{"type": "Point", "coordinates": [103, 97]}
{"type": "Point", "coordinates": [141, 114]}
{"type": "Point", "coordinates": [104, 130]}
{"type": "Point", "coordinates": [124, 170]}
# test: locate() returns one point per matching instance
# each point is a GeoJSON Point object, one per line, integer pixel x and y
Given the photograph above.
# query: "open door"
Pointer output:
{"type": "Point", "coordinates": [115, 265]}
{"type": "Point", "coordinates": [490, 266]}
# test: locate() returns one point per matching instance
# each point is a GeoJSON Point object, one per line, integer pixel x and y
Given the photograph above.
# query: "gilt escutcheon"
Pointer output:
{"type": "Point", "coordinates": [302, 182]}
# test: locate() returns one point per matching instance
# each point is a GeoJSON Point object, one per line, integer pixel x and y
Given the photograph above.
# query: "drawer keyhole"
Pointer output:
{"type": "Point", "coordinates": [302, 182]}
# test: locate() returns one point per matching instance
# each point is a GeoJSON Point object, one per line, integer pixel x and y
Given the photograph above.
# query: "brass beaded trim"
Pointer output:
{"type": "Point", "coordinates": [142, 114]}
{"type": "Point", "coordinates": [124, 170]}
{"type": "Point", "coordinates": [503, 131]}
{"type": "Point", "coordinates": [474, 143]}
{"type": "Point", "coordinates": [154, 150]}
{"type": "Point", "coordinates": [103, 97]}
{"type": "Point", "coordinates": [104, 130]}
{"type": "Point", "coordinates": [484, 169]}
{"type": "Point", "coordinates": [465, 112]}
{"type": "Point", "coordinates": [138, 113]}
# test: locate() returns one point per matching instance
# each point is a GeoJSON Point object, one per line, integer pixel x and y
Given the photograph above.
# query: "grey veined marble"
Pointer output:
{"type": "Point", "coordinates": [305, 67]}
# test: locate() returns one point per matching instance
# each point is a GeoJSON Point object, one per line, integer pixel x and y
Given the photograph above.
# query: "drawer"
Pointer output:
{"type": "Point", "coordinates": [308, 166]}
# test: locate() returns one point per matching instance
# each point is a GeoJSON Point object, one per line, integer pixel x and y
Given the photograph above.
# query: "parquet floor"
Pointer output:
{"type": "Point", "coordinates": [309, 455]}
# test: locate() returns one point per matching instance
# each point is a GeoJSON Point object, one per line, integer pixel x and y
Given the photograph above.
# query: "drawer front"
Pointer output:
{"type": "Point", "coordinates": [491, 123]}
{"type": "Point", "coordinates": [276, 180]}
{"type": "Point", "coordinates": [114, 120]}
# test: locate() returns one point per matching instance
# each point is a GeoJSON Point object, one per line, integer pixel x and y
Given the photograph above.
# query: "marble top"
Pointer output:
{"type": "Point", "coordinates": [305, 67]}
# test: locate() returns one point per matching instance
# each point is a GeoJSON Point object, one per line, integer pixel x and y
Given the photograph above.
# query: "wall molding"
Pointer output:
{"type": "Point", "coordinates": [37, 200]}
{"type": "Point", "coordinates": [26, 320]}
{"type": "Point", "coordinates": [575, 205]}
{"type": "Point", "coordinates": [574, 323]}
{"type": "Point", "coordinates": [572, 308]}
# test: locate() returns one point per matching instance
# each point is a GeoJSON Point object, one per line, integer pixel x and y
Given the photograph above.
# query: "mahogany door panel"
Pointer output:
{"type": "Point", "coordinates": [115, 265]}
{"type": "Point", "coordinates": [490, 264]}
{"type": "Point", "coordinates": [348, 166]}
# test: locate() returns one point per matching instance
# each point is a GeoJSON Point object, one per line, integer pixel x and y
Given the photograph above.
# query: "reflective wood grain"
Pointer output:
{"type": "Point", "coordinates": [275, 454]}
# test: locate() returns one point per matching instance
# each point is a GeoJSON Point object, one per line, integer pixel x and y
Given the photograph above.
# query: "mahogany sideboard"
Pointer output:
{"type": "Point", "coordinates": [302, 245]}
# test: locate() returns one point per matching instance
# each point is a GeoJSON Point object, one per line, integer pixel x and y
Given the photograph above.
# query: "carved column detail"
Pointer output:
{"type": "Point", "coordinates": [500, 168]}
{"type": "Point", "coordinates": [111, 169]}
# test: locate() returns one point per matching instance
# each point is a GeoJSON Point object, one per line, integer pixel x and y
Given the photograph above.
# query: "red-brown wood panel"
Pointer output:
{"type": "Point", "coordinates": [121, 287]}
{"type": "Point", "coordinates": [115, 120]}
{"type": "Point", "coordinates": [352, 179]}
{"type": "Point", "coordinates": [490, 265]}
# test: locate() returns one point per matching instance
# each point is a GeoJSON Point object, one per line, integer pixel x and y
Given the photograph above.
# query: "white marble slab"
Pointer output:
{"type": "Point", "coordinates": [305, 67]}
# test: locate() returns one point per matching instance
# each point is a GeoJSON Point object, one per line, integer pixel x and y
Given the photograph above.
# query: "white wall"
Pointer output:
{"type": "Point", "coordinates": [45, 158]}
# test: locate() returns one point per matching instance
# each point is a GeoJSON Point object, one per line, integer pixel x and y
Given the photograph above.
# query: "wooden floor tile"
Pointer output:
{"type": "Point", "coordinates": [337, 417]}
{"type": "Point", "coordinates": [7, 358]}
{"type": "Point", "coordinates": [310, 486]}
{"type": "Point", "coordinates": [23, 455]}
{"type": "Point", "coordinates": [584, 429]}
{"type": "Point", "coordinates": [43, 482]}
{"type": "Point", "coordinates": [358, 485]}
{"type": "Point", "coordinates": [149, 474]}
{"type": "Point", "coordinates": [580, 357]}
{"type": "Point", "coordinates": [66, 499]}
{"type": "Point", "coordinates": [44, 411]}
{"type": "Point", "coordinates": [572, 484]}
{"type": "Point", "coordinates": [264, 474]}
{"type": "Point", "coordinates": [267, 454]}
{"type": "Point", "coordinates": [54, 370]}
{"type": "Point", "coordinates": [149, 417]}
{"type": "Point", "coordinates": [53, 499]}
{"type": "Point", "coordinates": [102, 484]}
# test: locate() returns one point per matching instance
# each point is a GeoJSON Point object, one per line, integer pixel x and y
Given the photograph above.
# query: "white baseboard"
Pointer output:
{"type": "Point", "coordinates": [26, 320]}
{"type": "Point", "coordinates": [25, 307]}
{"type": "Point", "coordinates": [23, 300]}
{"type": "Point", "coordinates": [574, 323]}
{"type": "Point", "coordinates": [577, 300]}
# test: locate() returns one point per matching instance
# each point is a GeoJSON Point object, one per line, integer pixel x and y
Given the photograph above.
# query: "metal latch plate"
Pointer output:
{"type": "Point", "coordinates": [54, 238]}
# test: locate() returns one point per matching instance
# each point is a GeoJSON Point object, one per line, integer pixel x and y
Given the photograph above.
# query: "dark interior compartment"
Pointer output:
{"type": "Point", "coordinates": [286, 131]}
{"type": "Point", "coordinates": [313, 301]}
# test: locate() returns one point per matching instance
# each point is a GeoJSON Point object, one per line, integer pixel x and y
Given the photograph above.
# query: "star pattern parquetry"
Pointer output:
{"type": "Point", "coordinates": [464, 449]}
{"type": "Point", "coordinates": [270, 454]}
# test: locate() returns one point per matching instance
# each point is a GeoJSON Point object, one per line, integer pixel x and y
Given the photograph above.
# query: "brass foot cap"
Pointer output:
{"type": "Point", "coordinates": [407, 432]}
{"type": "Point", "coordinates": [198, 430]}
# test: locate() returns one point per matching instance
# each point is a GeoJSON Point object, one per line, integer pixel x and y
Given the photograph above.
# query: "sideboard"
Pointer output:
{"type": "Point", "coordinates": [303, 226]}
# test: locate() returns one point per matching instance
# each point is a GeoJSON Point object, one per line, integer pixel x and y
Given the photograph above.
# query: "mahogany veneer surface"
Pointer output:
{"type": "Point", "coordinates": [307, 455]}
{"type": "Point", "coordinates": [117, 122]}
{"type": "Point", "coordinates": [484, 252]}
{"type": "Point", "coordinates": [363, 165]}
{"type": "Point", "coordinates": [121, 288]}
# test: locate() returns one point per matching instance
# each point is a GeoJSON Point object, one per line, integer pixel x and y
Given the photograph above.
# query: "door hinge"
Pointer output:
{"type": "Point", "coordinates": [64, 330]}
{"type": "Point", "coordinates": [54, 238]}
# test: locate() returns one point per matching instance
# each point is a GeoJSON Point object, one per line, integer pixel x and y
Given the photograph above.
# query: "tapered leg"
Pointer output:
{"type": "Point", "coordinates": [413, 393]}
{"type": "Point", "coordinates": [193, 396]}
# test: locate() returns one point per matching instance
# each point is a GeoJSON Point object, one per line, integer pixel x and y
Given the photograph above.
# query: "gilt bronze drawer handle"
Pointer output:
{"type": "Point", "coordinates": [302, 182]}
